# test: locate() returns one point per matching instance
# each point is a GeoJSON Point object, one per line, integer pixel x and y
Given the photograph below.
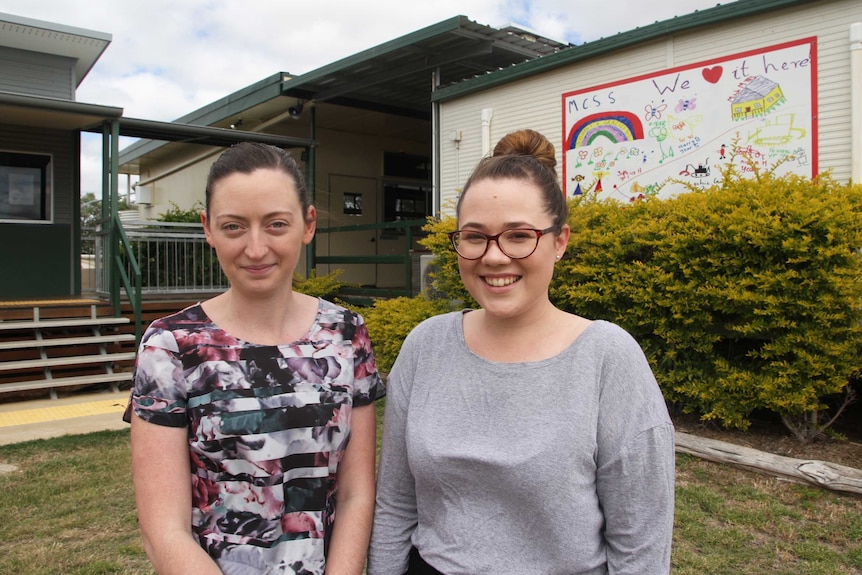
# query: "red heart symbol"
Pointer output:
{"type": "Point", "coordinates": [712, 75]}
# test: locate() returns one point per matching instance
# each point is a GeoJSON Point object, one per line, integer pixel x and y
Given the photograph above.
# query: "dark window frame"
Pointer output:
{"type": "Point", "coordinates": [26, 187]}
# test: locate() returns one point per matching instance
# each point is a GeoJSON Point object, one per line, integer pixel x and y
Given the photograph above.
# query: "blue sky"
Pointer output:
{"type": "Point", "coordinates": [170, 57]}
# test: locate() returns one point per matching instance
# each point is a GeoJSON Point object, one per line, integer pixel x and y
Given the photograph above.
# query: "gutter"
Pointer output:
{"type": "Point", "coordinates": [856, 102]}
{"type": "Point", "coordinates": [59, 105]}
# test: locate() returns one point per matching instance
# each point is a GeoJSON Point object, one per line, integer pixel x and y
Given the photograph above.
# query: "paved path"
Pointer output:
{"type": "Point", "coordinates": [45, 418]}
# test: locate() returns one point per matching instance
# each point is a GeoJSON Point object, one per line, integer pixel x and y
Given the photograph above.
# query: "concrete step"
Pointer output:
{"type": "Point", "coordinates": [64, 341]}
{"type": "Point", "coordinates": [80, 380]}
{"type": "Point", "coordinates": [81, 412]}
{"type": "Point", "coordinates": [62, 323]}
{"type": "Point", "coordinates": [66, 361]}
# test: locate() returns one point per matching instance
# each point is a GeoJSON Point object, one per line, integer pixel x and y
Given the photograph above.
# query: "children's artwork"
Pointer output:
{"type": "Point", "coordinates": [646, 135]}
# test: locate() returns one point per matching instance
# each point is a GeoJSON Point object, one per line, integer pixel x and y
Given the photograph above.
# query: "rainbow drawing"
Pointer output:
{"type": "Point", "coordinates": [612, 127]}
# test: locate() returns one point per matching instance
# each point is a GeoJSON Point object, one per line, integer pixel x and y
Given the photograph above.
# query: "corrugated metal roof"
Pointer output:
{"type": "Point", "coordinates": [395, 77]}
{"type": "Point", "coordinates": [675, 25]}
{"type": "Point", "coordinates": [36, 111]}
{"type": "Point", "coordinates": [203, 135]}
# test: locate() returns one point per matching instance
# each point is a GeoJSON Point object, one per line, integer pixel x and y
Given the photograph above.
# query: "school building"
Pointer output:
{"type": "Point", "coordinates": [387, 136]}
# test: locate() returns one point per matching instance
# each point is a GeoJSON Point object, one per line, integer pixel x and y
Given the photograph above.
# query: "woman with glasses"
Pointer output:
{"type": "Point", "coordinates": [521, 439]}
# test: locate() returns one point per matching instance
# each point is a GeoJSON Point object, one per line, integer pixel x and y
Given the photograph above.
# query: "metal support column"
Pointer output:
{"type": "Point", "coordinates": [310, 167]}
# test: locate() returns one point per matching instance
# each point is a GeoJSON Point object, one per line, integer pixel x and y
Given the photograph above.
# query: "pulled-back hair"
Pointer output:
{"type": "Point", "coordinates": [246, 157]}
{"type": "Point", "coordinates": [524, 155]}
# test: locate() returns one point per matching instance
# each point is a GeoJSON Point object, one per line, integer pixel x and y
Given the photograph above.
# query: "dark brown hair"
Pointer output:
{"type": "Point", "coordinates": [524, 155]}
{"type": "Point", "coordinates": [246, 157]}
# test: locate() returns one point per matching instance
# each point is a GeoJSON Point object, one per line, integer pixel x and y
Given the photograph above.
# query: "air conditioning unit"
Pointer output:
{"type": "Point", "coordinates": [144, 195]}
{"type": "Point", "coordinates": [423, 267]}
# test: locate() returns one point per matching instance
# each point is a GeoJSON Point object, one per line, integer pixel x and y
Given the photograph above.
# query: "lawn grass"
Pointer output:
{"type": "Point", "coordinates": [69, 509]}
{"type": "Point", "coordinates": [733, 521]}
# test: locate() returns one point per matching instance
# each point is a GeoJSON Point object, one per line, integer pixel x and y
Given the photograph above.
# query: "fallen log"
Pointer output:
{"type": "Point", "coordinates": [820, 473]}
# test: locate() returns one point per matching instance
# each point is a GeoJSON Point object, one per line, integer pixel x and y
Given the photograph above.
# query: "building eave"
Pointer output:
{"type": "Point", "coordinates": [231, 105]}
{"type": "Point", "coordinates": [393, 78]}
{"type": "Point", "coordinates": [203, 135]}
{"type": "Point", "coordinates": [53, 113]}
{"type": "Point", "coordinates": [85, 47]}
{"type": "Point", "coordinates": [721, 13]}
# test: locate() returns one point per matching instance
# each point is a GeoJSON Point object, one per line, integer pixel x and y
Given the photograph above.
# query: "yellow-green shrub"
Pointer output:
{"type": "Point", "coordinates": [326, 286]}
{"type": "Point", "coordinates": [389, 322]}
{"type": "Point", "coordinates": [745, 296]}
{"type": "Point", "coordinates": [447, 279]}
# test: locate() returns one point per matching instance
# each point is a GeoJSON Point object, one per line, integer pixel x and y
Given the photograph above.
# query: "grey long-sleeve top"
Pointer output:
{"type": "Point", "coordinates": [559, 466]}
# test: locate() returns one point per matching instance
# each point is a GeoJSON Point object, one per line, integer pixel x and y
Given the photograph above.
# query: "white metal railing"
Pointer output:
{"type": "Point", "coordinates": [173, 258]}
{"type": "Point", "coordinates": [91, 260]}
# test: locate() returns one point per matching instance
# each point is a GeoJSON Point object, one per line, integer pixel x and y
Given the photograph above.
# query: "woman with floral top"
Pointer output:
{"type": "Point", "coordinates": [253, 427]}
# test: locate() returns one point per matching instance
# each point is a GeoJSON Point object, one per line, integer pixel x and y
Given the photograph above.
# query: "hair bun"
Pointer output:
{"type": "Point", "coordinates": [528, 158]}
{"type": "Point", "coordinates": [528, 143]}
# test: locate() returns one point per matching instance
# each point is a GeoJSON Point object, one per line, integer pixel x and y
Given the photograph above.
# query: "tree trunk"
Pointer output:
{"type": "Point", "coordinates": [820, 473]}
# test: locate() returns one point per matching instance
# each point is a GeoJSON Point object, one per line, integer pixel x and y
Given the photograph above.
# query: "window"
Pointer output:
{"type": "Point", "coordinates": [405, 202]}
{"type": "Point", "coordinates": [410, 166]}
{"type": "Point", "coordinates": [404, 199]}
{"type": "Point", "coordinates": [25, 187]}
{"type": "Point", "coordinates": [352, 204]}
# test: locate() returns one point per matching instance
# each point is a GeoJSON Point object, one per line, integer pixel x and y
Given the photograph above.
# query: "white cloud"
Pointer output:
{"type": "Point", "coordinates": [168, 57]}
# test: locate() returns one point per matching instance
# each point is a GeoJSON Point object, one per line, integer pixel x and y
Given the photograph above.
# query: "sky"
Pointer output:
{"type": "Point", "coordinates": [168, 58]}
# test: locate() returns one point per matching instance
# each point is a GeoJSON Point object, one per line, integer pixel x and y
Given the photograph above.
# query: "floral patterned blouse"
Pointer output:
{"type": "Point", "coordinates": [267, 426]}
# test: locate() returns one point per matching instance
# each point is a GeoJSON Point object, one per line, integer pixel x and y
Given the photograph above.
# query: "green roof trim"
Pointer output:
{"type": "Point", "coordinates": [392, 46]}
{"type": "Point", "coordinates": [232, 104]}
{"type": "Point", "coordinates": [718, 14]}
{"type": "Point", "coordinates": [237, 102]}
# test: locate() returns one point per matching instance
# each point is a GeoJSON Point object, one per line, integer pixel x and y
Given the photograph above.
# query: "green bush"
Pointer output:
{"type": "Point", "coordinates": [446, 278]}
{"type": "Point", "coordinates": [389, 322]}
{"type": "Point", "coordinates": [326, 286]}
{"type": "Point", "coordinates": [178, 215]}
{"type": "Point", "coordinates": [745, 296]}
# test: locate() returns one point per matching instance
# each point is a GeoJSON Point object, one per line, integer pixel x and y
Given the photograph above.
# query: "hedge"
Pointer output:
{"type": "Point", "coordinates": [745, 296]}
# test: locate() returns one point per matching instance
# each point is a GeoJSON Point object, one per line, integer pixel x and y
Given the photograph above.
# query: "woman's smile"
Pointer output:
{"type": "Point", "coordinates": [501, 281]}
{"type": "Point", "coordinates": [258, 269]}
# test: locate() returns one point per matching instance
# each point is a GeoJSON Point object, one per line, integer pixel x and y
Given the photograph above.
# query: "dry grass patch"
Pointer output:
{"type": "Point", "coordinates": [734, 521]}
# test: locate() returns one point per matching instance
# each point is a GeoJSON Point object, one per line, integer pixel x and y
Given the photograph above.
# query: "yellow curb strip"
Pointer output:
{"type": "Point", "coordinates": [25, 416]}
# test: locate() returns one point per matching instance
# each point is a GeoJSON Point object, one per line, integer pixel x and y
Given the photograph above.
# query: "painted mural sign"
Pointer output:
{"type": "Point", "coordinates": [642, 136]}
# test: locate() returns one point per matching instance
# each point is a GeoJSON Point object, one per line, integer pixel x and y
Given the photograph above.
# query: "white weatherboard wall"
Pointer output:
{"type": "Point", "coordinates": [536, 101]}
